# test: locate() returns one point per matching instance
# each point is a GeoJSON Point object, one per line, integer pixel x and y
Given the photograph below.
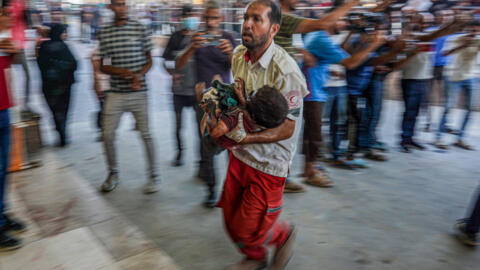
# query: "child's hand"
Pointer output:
{"type": "Point", "coordinates": [199, 87]}
{"type": "Point", "coordinates": [239, 89]}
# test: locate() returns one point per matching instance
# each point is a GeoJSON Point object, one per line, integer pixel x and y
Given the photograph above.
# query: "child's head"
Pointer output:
{"type": "Point", "coordinates": [268, 107]}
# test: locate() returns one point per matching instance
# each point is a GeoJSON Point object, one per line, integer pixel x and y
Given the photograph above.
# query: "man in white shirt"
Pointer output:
{"type": "Point", "coordinates": [417, 72]}
{"type": "Point", "coordinates": [460, 74]}
{"type": "Point", "coordinates": [253, 189]}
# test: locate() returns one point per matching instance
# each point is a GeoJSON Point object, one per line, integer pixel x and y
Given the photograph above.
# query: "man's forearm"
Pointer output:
{"type": "Point", "coordinates": [283, 132]}
{"type": "Point", "coordinates": [454, 50]}
{"type": "Point", "coordinates": [182, 60]}
{"type": "Point", "coordinates": [147, 66]}
{"type": "Point", "coordinates": [385, 58]}
{"type": "Point", "coordinates": [444, 31]}
{"type": "Point", "coordinates": [111, 70]}
{"type": "Point", "coordinates": [358, 58]}
{"type": "Point", "coordinates": [310, 25]}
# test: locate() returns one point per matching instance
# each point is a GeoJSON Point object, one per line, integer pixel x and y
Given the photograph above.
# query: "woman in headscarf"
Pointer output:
{"type": "Point", "coordinates": [57, 66]}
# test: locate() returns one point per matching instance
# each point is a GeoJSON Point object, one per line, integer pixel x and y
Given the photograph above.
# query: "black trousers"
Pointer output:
{"type": "Point", "coordinates": [208, 150]}
{"type": "Point", "coordinates": [58, 100]}
{"type": "Point", "coordinates": [180, 102]}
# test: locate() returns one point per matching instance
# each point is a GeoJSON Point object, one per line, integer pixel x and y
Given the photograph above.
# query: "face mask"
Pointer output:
{"type": "Point", "coordinates": [191, 23]}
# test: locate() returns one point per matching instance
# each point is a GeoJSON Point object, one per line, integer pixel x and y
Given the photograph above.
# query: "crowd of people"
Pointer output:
{"type": "Point", "coordinates": [278, 88]}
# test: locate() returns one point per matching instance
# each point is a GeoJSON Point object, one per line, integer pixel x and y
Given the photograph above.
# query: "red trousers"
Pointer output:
{"type": "Point", "coordinates": [251, 201]}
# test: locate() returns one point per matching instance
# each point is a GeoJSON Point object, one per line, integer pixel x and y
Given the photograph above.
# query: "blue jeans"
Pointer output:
{"type": "Point", "coordinates": [374, 98]}
{"type": "Point", "coordinates": [4, 152]}
{"type": "Point", "coordinates": [412, 91]}
{"type": "Point", "coordinates": [453, 90]}
{"type": "Point", "coordinates": [337, 97]}
{"type": "Point", "coordinates": [473, 219]}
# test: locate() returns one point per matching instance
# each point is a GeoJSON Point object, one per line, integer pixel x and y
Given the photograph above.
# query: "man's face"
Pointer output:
{"type": "Point", "coordinates": [213, 18]}
{"type": "Point", "coordinates": [57, 16]}
{"type": "Point", "coordinates": [257, 29]}
{"type": "Point", "coordinates": [5, 19]}
{"type": "Point", "coordinates": [120, 9]}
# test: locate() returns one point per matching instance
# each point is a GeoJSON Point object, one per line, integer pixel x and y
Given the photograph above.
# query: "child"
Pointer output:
{"type": "Point", "coordinates": [265, 108]}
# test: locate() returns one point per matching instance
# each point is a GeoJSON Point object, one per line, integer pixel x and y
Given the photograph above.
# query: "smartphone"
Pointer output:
{"type": "Point", "coordinates": [211, 40]}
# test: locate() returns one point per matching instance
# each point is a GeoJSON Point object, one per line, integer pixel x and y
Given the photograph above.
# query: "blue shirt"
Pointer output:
{"type": "Point", "coordinates": [440, 59]}
{"type": "Point", "coordinates": [326, 53]}
{"type": "Point", "coordinates": [359, 78]}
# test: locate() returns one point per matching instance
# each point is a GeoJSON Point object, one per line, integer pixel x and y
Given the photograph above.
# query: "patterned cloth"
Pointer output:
{"type": "Point", "coordinates": [287, 29]}
{"type": "Point", "coordinates": [125, 46]}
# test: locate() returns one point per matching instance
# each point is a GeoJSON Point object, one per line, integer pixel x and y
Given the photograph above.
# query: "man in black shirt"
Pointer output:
{"type": "Point", "coordinates": [212, 50]}
{"type": "Point", "coordinates": [183, 80]}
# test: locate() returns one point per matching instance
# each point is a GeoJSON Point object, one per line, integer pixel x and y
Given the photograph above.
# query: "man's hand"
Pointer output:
{"type": "Point", "coordinates": [7, 46]}
{"type": "Point", "coordinates": [309, 59]}
{"type": "Point", "coordinates": [379, 38]}
{"type": "Point", "coordinates": [238, 133]}
{"type": "Point", "coordinates": [127, 74]}
{"type": "Point", "coordinates": [198, 41]}
{"type": "Point", "coordinates": [136, 82]}
{"type": "Point", "coordinates": [239, 89]}
{"type": "Point", "coordinates": [226, 47]}
{"type": "Point", "coordinates": [176, 78]}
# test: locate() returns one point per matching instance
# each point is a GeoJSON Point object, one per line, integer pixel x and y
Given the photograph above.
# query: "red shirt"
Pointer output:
{"type": "Point", "coordinates": [17, 9]}
{"type": "Point", "coordinates": [5, 98]}
{"type": "Point", "coordinates": [231, 120]}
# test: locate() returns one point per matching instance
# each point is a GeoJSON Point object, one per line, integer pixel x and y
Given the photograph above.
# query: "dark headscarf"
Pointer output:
{"type": "Point", "coordinates": [55, 60]}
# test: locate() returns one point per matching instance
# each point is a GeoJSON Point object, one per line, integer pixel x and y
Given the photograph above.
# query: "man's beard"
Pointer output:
{"type": "Point", "coordinates": [258, 42]}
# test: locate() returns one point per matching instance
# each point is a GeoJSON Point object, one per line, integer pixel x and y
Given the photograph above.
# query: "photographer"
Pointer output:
{"type": "Point", "coordinates": [212, 52]}
{"type": "Point", "coordinates": [183, 80]}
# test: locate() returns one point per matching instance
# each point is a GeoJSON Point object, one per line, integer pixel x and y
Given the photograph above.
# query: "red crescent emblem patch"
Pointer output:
{"type": "Point", "coordinates": [293, 99]}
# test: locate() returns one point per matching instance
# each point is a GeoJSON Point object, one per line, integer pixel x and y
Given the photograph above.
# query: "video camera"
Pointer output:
{"type": "Point", "coordinates": [364, 22]}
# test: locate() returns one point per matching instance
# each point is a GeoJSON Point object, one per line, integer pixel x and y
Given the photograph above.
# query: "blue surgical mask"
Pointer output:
{"type": "Point", "coordinates": [191, 23]}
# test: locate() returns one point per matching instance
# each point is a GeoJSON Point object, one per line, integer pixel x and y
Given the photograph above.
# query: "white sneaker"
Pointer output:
{"type": "Point", "coordinates": [110, 183]}
{"type": "Point", "coordinates": [151, 187]}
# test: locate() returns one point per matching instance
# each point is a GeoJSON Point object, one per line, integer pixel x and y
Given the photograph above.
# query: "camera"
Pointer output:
{"type": "Point", "coordinates": [364, 22]}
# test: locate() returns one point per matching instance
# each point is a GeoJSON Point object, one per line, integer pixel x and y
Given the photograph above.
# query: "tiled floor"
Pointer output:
{"type": "Point", "coordinates": [71, 227]}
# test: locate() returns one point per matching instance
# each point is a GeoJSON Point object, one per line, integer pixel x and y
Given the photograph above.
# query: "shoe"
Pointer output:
{"type": "Point", "coordinates": [372, 155]}
{"type": "Point", "coordinates": [357, 162]}
{"type": "Point", "coordinates": [152, 186]}
{"type": "Point", "coordinates": [404, 147]}
{"type": "Point", "coordinates": [7, 242]}
{"type": "Point", "coordinates": [178, 162]}
{"type": "Point", "coordinates": [14, 225]}
{"type": "Point", "coordinates": [110, 183]}
{"type": "Point", "coordinates": [463, 236]}
{"type": "Point", "coordinates": [416, 145]}
{"type": "Point", "coordinates": [342, 163]}
{"type": "Point", "coordinates": [319, 180]}
{"type": "Point", "coordinates": [211, 200]}
{"type": "Point", "coordinates": [292, 187]}
{"type": "Point", "coordinates": [284, 253]}
{"type": "Point", "coordinates": [463, 145]}
{"type": "Point", "coordinates": [440, 145]}
{"type": "Point", "coordinates": [380, 146]}
{"type": "Point", "coordinates": [247, 264]}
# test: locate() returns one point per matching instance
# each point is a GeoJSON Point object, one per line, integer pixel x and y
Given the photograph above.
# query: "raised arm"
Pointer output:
{"type": "Point", "coordinates": [324, 23]}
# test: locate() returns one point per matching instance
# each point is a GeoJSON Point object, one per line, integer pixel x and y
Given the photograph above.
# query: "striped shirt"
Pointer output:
{"type": "Point", "coordinates": [287, 29]}
{"type": "Point", "coordinates": [125, 46]}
